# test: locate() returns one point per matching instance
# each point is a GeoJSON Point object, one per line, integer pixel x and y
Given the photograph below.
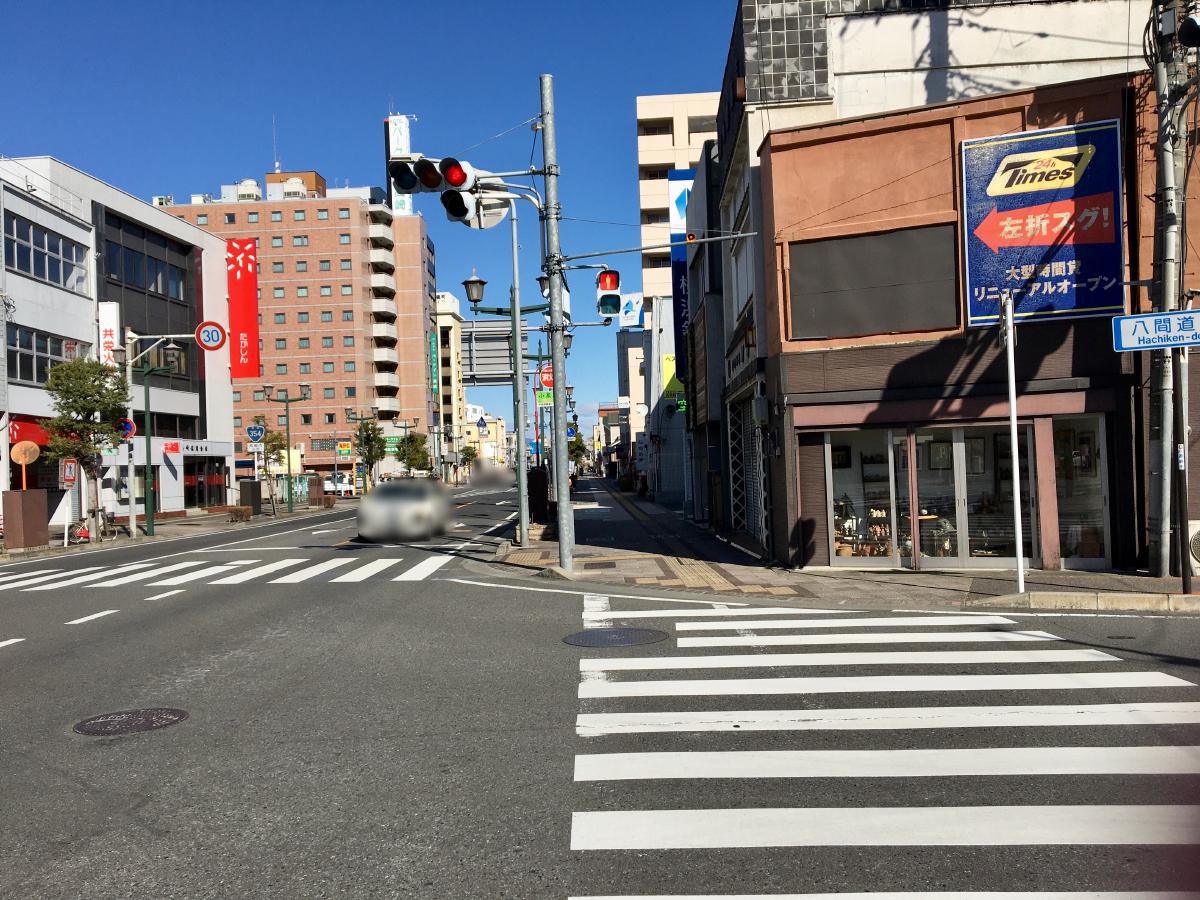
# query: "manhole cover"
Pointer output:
{"type": "Point", "coordinates": [130, 721]}
{"type": "Point", "coordinates": [615, 637]}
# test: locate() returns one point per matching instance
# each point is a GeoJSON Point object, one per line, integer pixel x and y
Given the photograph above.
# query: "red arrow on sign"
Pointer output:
{"type": "Point", "coordinates": [1080, 220]}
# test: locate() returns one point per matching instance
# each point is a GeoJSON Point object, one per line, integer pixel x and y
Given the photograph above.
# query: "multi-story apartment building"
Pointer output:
{"type": "Point", "coordinates": [453, 394]}
{"type": "Point", "coordinates": [82, 259]}
{"type": "Point", "coordinates": [346, 305]}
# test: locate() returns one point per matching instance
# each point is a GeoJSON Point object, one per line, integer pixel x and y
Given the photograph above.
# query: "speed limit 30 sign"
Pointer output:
{"type": "Point", "coordinates": [210, 335]}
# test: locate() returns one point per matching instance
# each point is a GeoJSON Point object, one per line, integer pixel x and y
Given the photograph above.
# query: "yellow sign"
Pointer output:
{"type": "Point", "coordinates": [671, 384]}
{"type": "Point", "coordinates": [1040, 170]}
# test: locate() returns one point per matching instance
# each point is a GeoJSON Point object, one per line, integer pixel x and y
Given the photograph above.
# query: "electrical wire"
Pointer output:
{"type": "Point", "coordinates": [494, 136]}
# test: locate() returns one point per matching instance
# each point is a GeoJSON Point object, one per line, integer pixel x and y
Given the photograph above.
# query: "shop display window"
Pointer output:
{"type": "Point", "coordinates": [1080, 486]}
{"type": "Point", "coordinates": [989, 491]}
{"type": "Point", "coordinates": [861, 491]}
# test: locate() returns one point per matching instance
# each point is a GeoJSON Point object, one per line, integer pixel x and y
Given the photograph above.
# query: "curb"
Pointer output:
{"type": "Point", "coordinates": [1090, 600]}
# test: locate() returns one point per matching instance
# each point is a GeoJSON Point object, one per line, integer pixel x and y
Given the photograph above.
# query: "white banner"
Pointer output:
{"type": "Point", "coordinates": [631, 311]}
{"type": "Point", "coordinates": [110, 331]}
{"type": "Point", "coordinates": [399, 145]}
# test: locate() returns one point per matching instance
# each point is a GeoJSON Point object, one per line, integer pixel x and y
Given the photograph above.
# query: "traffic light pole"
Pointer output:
{"type": "Point", "coordinates": [519, 391]}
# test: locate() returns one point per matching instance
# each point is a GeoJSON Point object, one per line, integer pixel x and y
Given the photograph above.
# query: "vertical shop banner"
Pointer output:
{"type": "Point", "coordinates": [679, 188]}
{"type": "Point", "coordinates": [398, 144]}
{"type": "Point", "coordinates": [1043, 223]}
{"type": "Point", "coordinates": [109, 317]}
{"type": "Point", "coordinates": [631, 315]}
{"type": "Point", "coordinates": [241, 264]}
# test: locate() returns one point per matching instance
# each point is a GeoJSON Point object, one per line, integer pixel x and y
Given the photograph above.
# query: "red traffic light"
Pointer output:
{"type": "Point", "coordinates": [609, 280]}
{"type": "Point", "coordinates": [456, 175]}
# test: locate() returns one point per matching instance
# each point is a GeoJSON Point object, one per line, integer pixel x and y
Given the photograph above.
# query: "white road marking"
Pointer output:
{"type": "Point", "coordinates": [41, 578]}
{"type": "Point", "coordinates": [922, 763]}
{"type": "Point", "coordinates": [11, 575]}
{"type": "Point", "coordinates": [326, 530]}
{"type": "Point", "coordinates": [850, 622]}
{"type": "Point", "coordinates": [247, 574]}
{"type": "Point", "coordinates": [880, 658]}
{"type": "Point", "coordinates": [311, 571]}
{"type": "Point", "coordinates": [723, 613]}
{"type": "Point", "coordinates": [153, 573]}
{"type": "Point", "coordinates": [889, 718]}
{"type": "Point", "coordinates": [733, 687]}
{"type": "Point", "coordinates": [363, 572]}
{"type": "Point", "coordinates": [167, 594]}
{"type": "Point", "coordinates": [81, 579]}
{"type": "Point", "coordinates": [423, 569]}
{"type": "Point", "coordinates": [925, 826]}
{"type": "Point", "coordinates": [199, 574]}
{"type": "Point", "coordinates": [595, 605]}
{"type": "Point", "coordinates": [11, 641]}
{"type": "Point", "coordinates": [521, 587]}
{"type": "Point", "coordinates": [107, 612]}
{"type": "Point", "coordinates": [912, 637]}
{"type": "Point", "coordinates": [918, 895]}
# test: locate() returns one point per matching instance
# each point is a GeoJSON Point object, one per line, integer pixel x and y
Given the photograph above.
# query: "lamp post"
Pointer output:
{"type": "Point", "coordinates": [407, 448]}
{"type": "Point", "coordinates": [305, 394]}
{"type": "Point", "coordinates": [146, 370]}
{"type": "Point", "coordinates": [352, 415]}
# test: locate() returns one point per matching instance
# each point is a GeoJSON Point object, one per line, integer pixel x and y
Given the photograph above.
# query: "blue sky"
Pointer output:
{"type": "Point", "coordinates": [163, 98]}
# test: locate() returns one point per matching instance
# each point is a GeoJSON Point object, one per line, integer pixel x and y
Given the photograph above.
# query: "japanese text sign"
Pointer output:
{"type": "Point", "coordinates": [1043, 223]}
{"type": "Point", "coordinates": [241, 264]}
{"type": "Point", "coordinates": [1156, 330]}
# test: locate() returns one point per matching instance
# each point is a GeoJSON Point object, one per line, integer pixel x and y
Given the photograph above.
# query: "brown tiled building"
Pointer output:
{"type": "Point", "coordinates": [346, 304]}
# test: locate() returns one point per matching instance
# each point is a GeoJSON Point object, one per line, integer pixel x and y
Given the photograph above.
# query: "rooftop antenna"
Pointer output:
{"type": "Point", "coordinates": [274, 150]}
{"type": "Point", "coordinates": [391, 109]}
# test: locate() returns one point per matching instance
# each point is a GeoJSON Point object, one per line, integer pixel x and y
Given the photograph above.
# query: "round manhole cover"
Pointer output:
{"type": "Point", "coordinates": [130, 721]}
{"type": "Point", "coordinates": [615, 637]}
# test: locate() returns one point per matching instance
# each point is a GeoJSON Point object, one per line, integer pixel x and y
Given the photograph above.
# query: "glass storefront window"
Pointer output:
{"type": "Point", "coordinates": [988, 464]}
{"type": "Point", "coordinates": [862, 503]}
{"type": "Point", "coordinates": [1080, 488]}
{"type": "Point", "coordinates": [936, 507]}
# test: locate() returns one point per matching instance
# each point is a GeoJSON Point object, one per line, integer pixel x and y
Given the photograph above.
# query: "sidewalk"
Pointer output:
{"type": "Point", "coordinates": [623, 540]}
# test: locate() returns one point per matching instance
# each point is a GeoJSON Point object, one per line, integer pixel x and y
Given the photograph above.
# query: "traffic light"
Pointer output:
{"type": "Point", "coordinates": [608, 292]}
{"type": "Point", "coordinates": [458, 178]}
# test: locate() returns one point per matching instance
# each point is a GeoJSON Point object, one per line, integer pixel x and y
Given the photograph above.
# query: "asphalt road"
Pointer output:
{"type": "Point", "coordinates": [434, 737]}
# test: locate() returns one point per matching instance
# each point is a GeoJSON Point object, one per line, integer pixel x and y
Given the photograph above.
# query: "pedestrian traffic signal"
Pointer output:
{"type": "Point", "coordinates": [608, 292]}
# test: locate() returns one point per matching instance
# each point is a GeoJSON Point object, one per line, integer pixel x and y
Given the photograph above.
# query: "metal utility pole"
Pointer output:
{"type": "Point", "coordinates": [1009, 334]}
{"type": "Point", "coordinates": [519, 392]}
{"type": "Point", "coordinates": [130, 345]}
{"type": "Point", "coordinates": [554, 263]}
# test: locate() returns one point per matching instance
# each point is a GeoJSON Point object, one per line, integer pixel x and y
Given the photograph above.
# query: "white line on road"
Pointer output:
{"type": "Point", "coordinates": [230, 566]}
{"type": "Point", "coordinates": [246, 574]}
{"type": "Point", "coordinates": [888, 622]}
{"type": "Point", "coordinates": [889, 718]}
{"type": "Point", "coordinates": [867, 637]}
{"type": "Point", "coordinates": [521, 587]}
{"type": "Point", "coordinates": [11, 575]}
{"type": "Point", "coordinates": [423, 569]}
{"type": "Point", "coordinates": [914, 763]}
{"type": "Point", "coordinates": [167, 594]}
{"type": "Point", "coordinates": [11, 641]}
{"type": "Point", "coordinates": [719, 613]}
{"type": "Point", "coordinates": [107, 612]}
{"type": "Point", "coordinates": [41, 578]}
{"type": "Point", "coordinates": [82, 579]}
{"type": "Point", "coordinates": [732, 687]}
{"type": "Point", "coordinates": [363, 572]}
{"type": "Point", "coordinates": [310, 572]}
{"type": "Point", "coordinates": [878, 658]}
{"type": "Point", "coordinates": [326, 530]}
{"type": "Point", "coordinates": [153, 573]}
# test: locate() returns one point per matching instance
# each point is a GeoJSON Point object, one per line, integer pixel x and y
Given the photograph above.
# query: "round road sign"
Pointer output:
{"type": "Point", "coordinates": [546, 376]}
{"type": "Point", "coordinates": [210, 335]}
{"type": "Point", "coordinates": [126, 428]}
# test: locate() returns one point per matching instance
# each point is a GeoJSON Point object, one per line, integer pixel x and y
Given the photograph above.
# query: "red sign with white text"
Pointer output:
{"type": "Point", "coordinates": [241, 258]}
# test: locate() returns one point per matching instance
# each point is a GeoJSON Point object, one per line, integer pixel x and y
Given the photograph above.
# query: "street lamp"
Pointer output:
{"type": "Point", "coordinates": [305, 394]}
{"type": "Point", "coordinates": [474, 288]}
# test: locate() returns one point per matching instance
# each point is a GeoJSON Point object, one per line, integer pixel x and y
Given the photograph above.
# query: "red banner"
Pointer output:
{"type": "Point", "coordinates": [241, 263]}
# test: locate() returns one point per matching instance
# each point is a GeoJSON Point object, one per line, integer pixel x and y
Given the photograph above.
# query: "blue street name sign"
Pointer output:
{"type": "Point", "coordinates": [1153, 331]}
{"type": "Point", "coordinates": [255, 432]}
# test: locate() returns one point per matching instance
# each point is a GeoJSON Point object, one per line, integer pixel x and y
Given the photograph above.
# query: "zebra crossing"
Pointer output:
{"type": "Point", "coordinates": [291, 570]}
{"type": "Point", "coordinates": [735, 767]}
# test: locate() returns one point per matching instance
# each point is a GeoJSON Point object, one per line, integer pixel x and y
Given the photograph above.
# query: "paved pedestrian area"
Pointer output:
{"type": "Point", "coordinates": [621, 539]}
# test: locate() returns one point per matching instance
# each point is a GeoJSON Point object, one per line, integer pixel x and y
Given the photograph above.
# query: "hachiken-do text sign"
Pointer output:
{"type": "Point", "coordinates": [1043, 223]}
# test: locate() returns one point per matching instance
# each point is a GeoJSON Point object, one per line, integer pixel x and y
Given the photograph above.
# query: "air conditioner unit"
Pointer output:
{"type": "Point", "coordinates": [166, 200]}
{"type": "Point", "coordinates": [248, 189]}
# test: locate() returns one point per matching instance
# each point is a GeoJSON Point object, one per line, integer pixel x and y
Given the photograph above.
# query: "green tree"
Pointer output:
{"type": "Point", "coordinates": [413, 451]}
{"type": "Point", "coordinates": [274, 454]}
{"type": "Point", "coordinates": [577, 449]}
{"type": "Point", "coordinates": [370, 447]}
{"type": "Point", "coordinates": [469, 455]}
{"type": "Point", "coordinates": [89, 398]}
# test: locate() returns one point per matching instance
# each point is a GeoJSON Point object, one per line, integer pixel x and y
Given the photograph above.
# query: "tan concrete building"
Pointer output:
{"type": "Point", "coordinates": [671, 130]}
{"type": "Point", "coordinates": [453, 395]}
{"type": "Point", "coordinates": [346, 304]}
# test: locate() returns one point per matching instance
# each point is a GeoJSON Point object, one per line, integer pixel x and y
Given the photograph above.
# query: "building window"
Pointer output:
{"type": "Point", "coordinates": [260, 344]}
{"type": "Point", "coordinates": [305, 368]}
{"type": "Point", "coordinates": [349, 366]}
{"type": "Point", "coordinates": [701, 125]}
{"type": "Point", "coordinates": [278, 292]}
{"type": "Point", "coordinates": [277, 241]}
{"type": "Point", "coordinates": [657, 126]}
{"type": "Point", "coordinates": [326, 342]}
{"type": "Point", "coordinates": [343, 213]}
{"type": "Point", "coordinates": [327, 315]}
{"type": "Point", "coordinates": [656, 262]}
{"type": "Point", "coordinates": [237, 396]}
{"type": "Point", "coordinates": [301, 265]}
{"type": "Point", "coordinates": [654, 173]}
{"type": "Point", "coordinates": [330, 393]}
{"type": "Point", "coordinates": [281, 368]}
{"type": "Point", "coordinates": [656, 217]}
{"type": "Point", "coordinates": [330, 418]}
{"type": "Point", "coordinates": [343, 238]}
{"type": "Point", "coordinates": [259, 396]}
{"type": "Point", "coordinates": [237, 421]}
{"type": "Point", "coordinates": [305, 418]}
{"type": "Point", "coordinates": [252, 217]}
{"type": "Point", "coordinates": [345, 265]}
{"type": "Point", "coordinates": [327, 367]}
{"type": "Point", "coordinates": [322, 214]}
{"type": "Point", "coordinates": [258, 294]}
{"type": "Point", "coordinates": [302, 317]}
{"type": "Point", "coordinates": [347, 315]}
{"type": "Point", "coordinates": [48, 255]}
{"type": "Point", "coordinates": [323, 265]}
{"type": "Point", "coordinates": [348, 341]}
{"type": "Point", "coordinates": [281, 420]}
{"type": "Point", "coordinates": [304, 345]}
{"type": "Point", "coordinates": [276, 216]}
{"type": "Point", "coordinates": [201, 220]}
{"type": "Point", "coordinates": [347, 290]}
{"type": "Point", "coordinates": [351, 392]}
{"type": "Point", "coordinates": [298, 215]}
{"type": "Point", "coordinates": [280, 318]}
{"type": "Point", "coordinates": [326, 290]}
{"type": "Point", "coordinates": [230, 218]}
{"type": "Point", "coordinates": [277, 267]}
{"type": "Point", "coordinates": [301, 292]}
{"type": "Point", "coordinates": [237, 446]}
{"type": "Point", "coordinates": [32, 354]}
{"type": "Point", "coordinates": [280, 343]}
{"type": "Point", "coordinates": [299, 240]}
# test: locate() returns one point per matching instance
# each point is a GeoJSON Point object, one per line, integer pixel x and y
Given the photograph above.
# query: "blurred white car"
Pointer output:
{"type": "Point", "coordinates": [403, 509]}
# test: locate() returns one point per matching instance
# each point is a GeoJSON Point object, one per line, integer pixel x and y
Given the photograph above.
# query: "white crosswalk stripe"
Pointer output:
{"type": "Point", "coordinates": [41, 578]}
{"type": "Point", "coordinates": [423, 569]}
{"type": "Point", "coordinates": [82, 579]}
{"type": "Point", "coordinates": [363, 572]}
{"type": "Point", "coordinates": [638, 695]}
{"type": "Point", "coordinates": [258, 571]}
{"type": "Point", "coordinates": [152, 573]}
{"type": "Point", "coordinates": [200, 574]}
{"type": "Point", "coordinates": [310, 571]}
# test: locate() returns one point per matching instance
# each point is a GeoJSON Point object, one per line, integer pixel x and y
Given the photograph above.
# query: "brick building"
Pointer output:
{"type": "Point", "coordinates": [346, 304]}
